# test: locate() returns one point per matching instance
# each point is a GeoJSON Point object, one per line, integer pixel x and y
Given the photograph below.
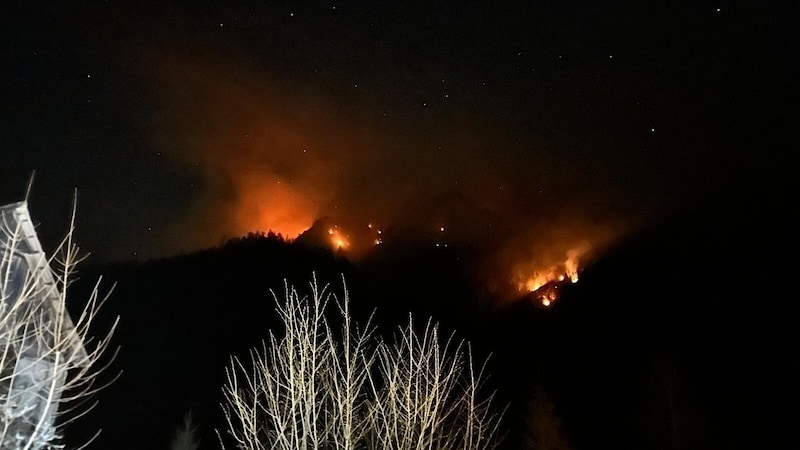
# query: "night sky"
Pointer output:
{"type": "Point", "coordinates": [542, 126]}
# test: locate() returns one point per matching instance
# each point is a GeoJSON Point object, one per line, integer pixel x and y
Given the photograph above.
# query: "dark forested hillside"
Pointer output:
{"type": "Point", "coordinates": [679, 337]}
{"type": "Point", "coordinates": [683, 336]}
{"type": "Point", "coordinates": [182, 317]}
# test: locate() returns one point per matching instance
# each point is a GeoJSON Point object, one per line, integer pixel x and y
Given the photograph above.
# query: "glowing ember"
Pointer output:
{"type": "Point", "coordinates": [338, 239]}
{"type": "Point", "coordinates": [378, 236]}
{"type": "Point", "coordinates": [547, 294]}
{"type": "Point", "coordinates": [541, 279]}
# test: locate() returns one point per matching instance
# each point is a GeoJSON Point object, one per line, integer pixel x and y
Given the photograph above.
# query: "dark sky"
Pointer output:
{"type": "Point", "coordinates": [542, 126]}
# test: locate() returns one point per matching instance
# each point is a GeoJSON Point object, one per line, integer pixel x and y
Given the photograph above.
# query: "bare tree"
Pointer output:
{"type": "Point", "coordinates": [50, 361]}
{"type": "Point", "coordinates": [430, 395]}
{"type": "Point", "coordinates": [302, 390]}
{"type": "Point", "coordinates": [314, 389]}
{"type": "Point", "coordinates": [348, 377]}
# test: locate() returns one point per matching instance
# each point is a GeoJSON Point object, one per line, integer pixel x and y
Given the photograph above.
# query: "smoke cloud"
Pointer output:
{"type": "Point", "coordinates": [273, 154]}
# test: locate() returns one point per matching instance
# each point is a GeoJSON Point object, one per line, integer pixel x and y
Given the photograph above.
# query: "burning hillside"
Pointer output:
{"type": "Point", "coordinates": [536, 266]}
{"type": "Point", "coordinates": [543, 281]}
{"type": "Point", "coordinates": [540, 262]}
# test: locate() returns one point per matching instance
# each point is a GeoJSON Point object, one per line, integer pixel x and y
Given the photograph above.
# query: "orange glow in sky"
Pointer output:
{"type": "Point", "coordinates": [270, 161]}
{"type": "Point", "coordinates": [268, 204]}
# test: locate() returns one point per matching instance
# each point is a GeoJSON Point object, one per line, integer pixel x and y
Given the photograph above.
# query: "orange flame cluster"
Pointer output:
{"type": "Point", "coordinates": [544, 283]}
{"type": "Point", "coordinates": [547, 294]}
{"type": "Point", "coordinates": [354, 240]}
{"type": "Point", "coordinates": [339, 240]}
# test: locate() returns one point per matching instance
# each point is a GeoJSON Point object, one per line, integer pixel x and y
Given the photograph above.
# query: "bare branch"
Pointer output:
{"type": "Point", "coordinates": [49, 363]}
{"type": "Point", "coordinates": [323, 387]}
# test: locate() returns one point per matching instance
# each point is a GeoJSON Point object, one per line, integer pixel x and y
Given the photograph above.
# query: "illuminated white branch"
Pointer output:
{"type": "Point", "coordinates": [49, 361]}
{"type": "Point", "coordinates": [312, 388]}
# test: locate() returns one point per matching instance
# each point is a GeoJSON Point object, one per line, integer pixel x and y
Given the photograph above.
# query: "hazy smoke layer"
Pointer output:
{"type": "Point", "coordinates": [275, 155]}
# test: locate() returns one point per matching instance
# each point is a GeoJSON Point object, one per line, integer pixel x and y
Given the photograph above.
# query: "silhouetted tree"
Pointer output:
{"type": "Point", "coordinates": [185, 437]}
{"type": "Point", "coordinates": [544, 429]}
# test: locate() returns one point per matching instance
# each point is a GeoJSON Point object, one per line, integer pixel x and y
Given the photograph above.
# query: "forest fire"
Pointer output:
{"type": "Point", "coordinates": [548, 293]}
{"type": "Point", "coordinates": [296, 166]}
{"type": "Point", "coordinates": [338, 239]}
{"type": "Point", "coordinates": [349, 238]}
{"type": "Point", "coordinates": [545, 285]}
{"type": "Point", "coordinates": [539, 272]}
{"type": "Point", "coordinates": [546, 290]}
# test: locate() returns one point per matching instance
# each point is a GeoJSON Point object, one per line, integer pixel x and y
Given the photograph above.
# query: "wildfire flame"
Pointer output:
{"type": "Point", "coordinates": [339, 240]}
{"type": "Point", "coordinates": [355, 239]}
{"type": "Point", "coordinates": [544, 284]}
{"type": "Point", "coordinates": [547, 294]}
